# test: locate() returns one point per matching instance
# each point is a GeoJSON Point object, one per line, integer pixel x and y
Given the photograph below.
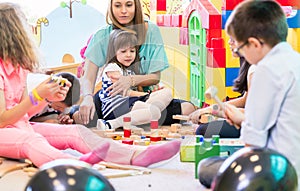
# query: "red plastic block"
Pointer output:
{"type": "Point", "coordinates": [158, 5]}
{"type": "Point", "coordinates": [183, 36]}
{"type": "Point", "coordinates": [294, 3]}
{"type": "Point", "coordinates": [217, 43]}
{"type": "Point", "coordinates": [216, 57]}
{"type": "Point", "coordinates": [210, 16]}
{"type": "Point", "coordinates": [210, 34]}
{"type": "Point", "coordinates": [167, 20]}
{"type": "Point", "coordinates": [161, 5]}
{"type": "Point", "coordinates": [176, 20]}
{"type": "Point", "coordinates": [228, 5]}
{"type": "Point", "coordinates": [160, 20]}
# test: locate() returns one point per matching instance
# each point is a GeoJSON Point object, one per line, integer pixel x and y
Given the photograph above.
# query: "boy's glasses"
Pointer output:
{"type": "Point", "coordinates": [237, 49]}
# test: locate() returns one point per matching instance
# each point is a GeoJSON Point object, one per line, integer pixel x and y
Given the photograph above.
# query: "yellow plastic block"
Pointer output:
{"type": "Point", "coordinates": [181, 75]}
{"type": "Point", "coordinates": [187, 152]}
{"type": "Point", "coordinates": [294, 38]}
{"type": "Point", "coordinates": [231, 62]}
{"type": "Point", "coordinates": [217, 4]}
{"type": "Point", "coordinates": [230, 93]}
{"type": "Point", "coordinates": [216, 77]}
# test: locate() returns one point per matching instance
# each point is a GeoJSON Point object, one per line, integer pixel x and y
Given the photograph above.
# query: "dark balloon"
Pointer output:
{"type": "Point", "coordinates": [68, 175]}
{"type": "Point", "coordinates": [256, 169]}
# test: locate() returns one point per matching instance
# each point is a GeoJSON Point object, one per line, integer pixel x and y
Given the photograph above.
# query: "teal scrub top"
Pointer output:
{"type": "Point", "coordinates": [152, 53]}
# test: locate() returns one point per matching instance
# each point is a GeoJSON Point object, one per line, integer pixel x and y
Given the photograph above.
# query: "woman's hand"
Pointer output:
{"type": "Point", "coordinates": [234, 115]}
{"type": "Point", "coordinates": [86, 109]}
{"type": "Point", "coordinates": [121, 86]}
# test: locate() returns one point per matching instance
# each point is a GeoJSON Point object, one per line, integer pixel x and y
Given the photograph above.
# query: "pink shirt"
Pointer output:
{"type": "Point", "coordinates": [13, 83]}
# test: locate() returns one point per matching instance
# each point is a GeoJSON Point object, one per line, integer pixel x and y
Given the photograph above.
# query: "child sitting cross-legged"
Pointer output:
{"type": "Point", "coordinates": [123, 59]}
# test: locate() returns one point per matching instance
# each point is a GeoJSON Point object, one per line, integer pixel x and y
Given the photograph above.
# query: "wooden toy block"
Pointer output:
{"type": "Point", "coordinates": [176, 126]}
{"type": "Point", "coordinates": [142, 142]}
{"type": "Point", "coordinates": [137, 131]}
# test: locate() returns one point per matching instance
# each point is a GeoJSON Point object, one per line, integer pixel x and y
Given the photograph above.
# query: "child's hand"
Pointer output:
{"type": "Point", "coordinates": [53, 91]}
{"type": "Point", "coordinates": [64, 119]}
{"type": "Point", "coordinates": [234, 115]}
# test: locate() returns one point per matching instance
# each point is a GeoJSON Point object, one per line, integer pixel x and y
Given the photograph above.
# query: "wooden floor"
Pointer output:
{"type": "Point", "coordinates": [168, 175]}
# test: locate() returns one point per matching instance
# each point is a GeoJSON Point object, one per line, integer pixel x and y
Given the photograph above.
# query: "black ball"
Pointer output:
{"type": "Point", "coordinates": [68, 175]}
{"type": "Point", "coordinates": [256, 169]}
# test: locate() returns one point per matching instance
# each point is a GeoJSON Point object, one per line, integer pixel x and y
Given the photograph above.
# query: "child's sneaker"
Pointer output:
{"type": "Point", "coordinates": [103, 125]}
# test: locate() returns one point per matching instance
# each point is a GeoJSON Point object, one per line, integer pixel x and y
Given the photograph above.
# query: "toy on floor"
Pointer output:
{"type": "Point", "coordinates": [64, 175]}
{"type": "Point", "coordinates": [21, 166]}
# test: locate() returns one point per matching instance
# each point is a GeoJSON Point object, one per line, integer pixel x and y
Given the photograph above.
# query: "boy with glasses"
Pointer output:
{"type": "Point", "coordinates": [271, 117]}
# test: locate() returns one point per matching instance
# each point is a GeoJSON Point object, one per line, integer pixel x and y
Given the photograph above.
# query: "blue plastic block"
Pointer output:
{"type": "Point", "coordinates": [230, 75]}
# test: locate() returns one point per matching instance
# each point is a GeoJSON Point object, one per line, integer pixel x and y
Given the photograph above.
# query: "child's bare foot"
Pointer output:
{"type": "Point", "coordinates": [155, 153]}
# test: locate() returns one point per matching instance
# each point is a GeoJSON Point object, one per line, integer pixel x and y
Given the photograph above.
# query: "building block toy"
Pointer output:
{"type": "Point", "coordinates": [183, 36]}
{"type": "Point", "coordinates": [160, 20]}
{"type": "Point", "coordinates": [294, 19]}
{"type": "Point", "coordinates": [216, 35]}
{"type": "Point", "coordinates": [225, 15]}
{"type": "Point", "coordinates": [230, 4]}
{"type": "Point", "coordinates": [230, 93]}
{"type": "Point", "coordinates": [205, 148]}
{"type": "Point", "coordinates": [230, 75]}
{"type": "Point", "coordinates": [293, 3]}
{"type": "Point", "coordinates": [211, 18]}
{"type": "Point", "coordinates": [176, 20]}
{"type": "Point", "coordinates": [216, 57]}
{"type": "Point", "coordinates": [228, 146]}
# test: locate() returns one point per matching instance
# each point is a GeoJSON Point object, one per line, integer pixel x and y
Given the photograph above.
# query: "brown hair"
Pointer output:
{"type": "Point", "coordinates": [263, 19]}
{"type": "Point", "coordinates": [138, 24]}
{"type": "Point", "coordinates": [122, 39]}
{"type": "Point", "coordinates": [16, 45]}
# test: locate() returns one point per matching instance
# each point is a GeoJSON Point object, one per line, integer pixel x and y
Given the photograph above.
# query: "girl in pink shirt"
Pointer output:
{"type": "Point", "coordinates": [43, 142]}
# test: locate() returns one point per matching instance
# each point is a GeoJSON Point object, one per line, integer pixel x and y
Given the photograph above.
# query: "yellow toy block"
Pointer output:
{"type": "Point", "coordinates": [216, 77]}
{"type": "Point", "coordinates": [231, 62]}
{"type": "Point", "coordinates": [218, 4]}
{"type": "Point", "coordinates": [294, 38]}
{"type": "Point", "coordinates": [181, 75]}
{"type": "Point", "coordinates": [230, 93]}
